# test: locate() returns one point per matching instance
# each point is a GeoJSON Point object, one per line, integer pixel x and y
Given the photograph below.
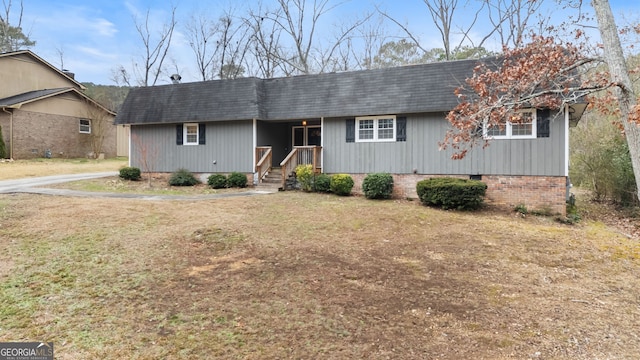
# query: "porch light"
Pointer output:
{"type": "Point", "coordinates": [304, 122]}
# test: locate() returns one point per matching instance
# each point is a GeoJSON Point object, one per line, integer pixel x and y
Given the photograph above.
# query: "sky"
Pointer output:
{"type": "Point", "coordinates": [92, 38]}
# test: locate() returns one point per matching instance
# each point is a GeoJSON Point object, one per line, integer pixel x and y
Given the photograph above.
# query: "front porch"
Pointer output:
{"type": "Point", "coordinates": [283, 145]}
{"type": "Point", "coordinates": [299, 155]}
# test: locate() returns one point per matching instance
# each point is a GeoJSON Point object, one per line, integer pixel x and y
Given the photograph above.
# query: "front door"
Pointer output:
{"type": "Point", "coordinates": [307, 135]}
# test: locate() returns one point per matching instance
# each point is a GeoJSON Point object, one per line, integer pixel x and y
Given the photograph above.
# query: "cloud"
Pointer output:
{"type": "Point", "coordinates": [95, 52]}
{"type": "Point", "coordinates": [104, 27]}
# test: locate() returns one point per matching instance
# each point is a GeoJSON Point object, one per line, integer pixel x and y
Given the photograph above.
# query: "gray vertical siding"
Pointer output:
{"type": "Point", "coordinates": [542, 156]}
{"type": "Point", "coordinates": [229, 144]}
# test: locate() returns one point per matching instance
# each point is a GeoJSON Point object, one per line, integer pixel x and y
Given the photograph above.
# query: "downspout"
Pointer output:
{"type": "Point", "coordinates": [10, 131]}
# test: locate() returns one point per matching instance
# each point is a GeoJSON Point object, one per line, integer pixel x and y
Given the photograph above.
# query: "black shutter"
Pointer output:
{"type": "Point", "coordinates": [201, 134]}
{"type": "Point", "coordinates": [179, 134]}
{"type": "Point", "coordinates": [351, 130]}
{"type": "Point", "coordinates": [543, 119]}
{"type": "Point", "coordinates": [401, 129]}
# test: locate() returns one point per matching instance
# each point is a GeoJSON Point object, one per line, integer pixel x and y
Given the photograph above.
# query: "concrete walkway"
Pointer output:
{"type": "Point", "coordinates": [31, 186]}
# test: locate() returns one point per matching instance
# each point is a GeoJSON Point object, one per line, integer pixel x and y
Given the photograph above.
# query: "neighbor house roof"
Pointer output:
{"type": "Point", "coordinates": [16, 101]}
{"type": "Point", "coordinates": [406, 89]}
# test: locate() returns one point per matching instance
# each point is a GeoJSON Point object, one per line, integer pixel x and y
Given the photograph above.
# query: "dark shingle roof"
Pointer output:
{"type": "Point", "coordinates": [29, 96]}
{"type": "Point", "coordinates": [406, 89]}
{"type": "Point", "coordinates": [16, 101]}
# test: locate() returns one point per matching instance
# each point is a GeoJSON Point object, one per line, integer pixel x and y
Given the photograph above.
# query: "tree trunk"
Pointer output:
{"type": "Point", "coordinates": [619, 74]}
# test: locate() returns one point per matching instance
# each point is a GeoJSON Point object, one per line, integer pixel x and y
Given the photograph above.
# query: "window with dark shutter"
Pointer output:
{"type": "Point", "coordinates": [351, 130]}
{"type": "Point", "coordinates": [201, 134]}
{"type": "Point", "coordinates": [401, 129]}
{"type": "Point", "coordinates": [179, 134]}
{"type": "Point", "coordinates": [543, 120]}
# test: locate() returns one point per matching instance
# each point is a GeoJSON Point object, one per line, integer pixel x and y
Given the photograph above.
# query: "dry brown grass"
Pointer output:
{"type": "Point", "coordinates": [297, 275]}
{"type": "Point", "coordinates": [44, 167]}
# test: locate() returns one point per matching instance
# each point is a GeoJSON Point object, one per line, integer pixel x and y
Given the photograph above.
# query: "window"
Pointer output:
{"type": "Point", "coordinates": [376, 128]}
{"type": "Point", "coordinates": [85, 126]}
{"type": "Point", "coordinates": [526, 129]}
{"type": "Point", "coordinates": [191, 134]}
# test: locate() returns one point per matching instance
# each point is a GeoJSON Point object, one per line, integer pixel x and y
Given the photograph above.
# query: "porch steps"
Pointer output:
{"type": "Point", "coordinates": [273, 180]}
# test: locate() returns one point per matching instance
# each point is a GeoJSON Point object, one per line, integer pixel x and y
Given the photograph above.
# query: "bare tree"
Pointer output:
{"type": "Point", "coordinates": [265, 44]}
{"type": "Point", "coordinates": [101, 122]}
{"type": "Point", "coordinates": [200, 33]}
{"type": "Point", "coordinates": [232, 46]}
{"type": "Point", "coordinates": [372, 36]}
{"type": "Point", "coordinates": [509, 19]}
{"type": "Point", "coordinates": [147, 155]}
{"type": "Point", "coordinates": [155, 50]}
{"type": "Point", "coordinates": [299, 21]}
{"type": "Point", "coordinates": [12, 37]}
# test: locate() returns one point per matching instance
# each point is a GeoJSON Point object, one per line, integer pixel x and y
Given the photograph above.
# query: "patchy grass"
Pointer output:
{"type": "Point", "coordinates": [44, 167]}
{"type": "Point", "coordinates": [300, 275]}
{"type": "Point", "coordinates": [159, 185]}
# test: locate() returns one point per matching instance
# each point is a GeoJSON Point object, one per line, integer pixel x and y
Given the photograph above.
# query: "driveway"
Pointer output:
{"type": "Point", "coordinates": [34, 186]}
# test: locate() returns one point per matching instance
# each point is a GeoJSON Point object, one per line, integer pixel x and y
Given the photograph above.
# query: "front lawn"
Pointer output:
{"type": "Point", "coordinates": [301, 275]}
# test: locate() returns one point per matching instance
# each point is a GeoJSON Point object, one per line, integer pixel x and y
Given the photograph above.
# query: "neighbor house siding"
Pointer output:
{"type": "Point", "coordinates": [228, 144]}
{"type": "Point", "coordinates": [34, 133]}
{"type": "Point", "coordinates": [25, 73]}
{"type": "Point", "coordinates": [420, 152]}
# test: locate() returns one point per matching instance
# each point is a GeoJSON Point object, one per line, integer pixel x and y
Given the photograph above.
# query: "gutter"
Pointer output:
{"type": "Point", "coordinates": [4, 109]}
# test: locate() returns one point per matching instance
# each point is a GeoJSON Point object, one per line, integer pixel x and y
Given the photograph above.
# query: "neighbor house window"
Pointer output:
{"type": "Point", "coordinates": [376, 128]}
{"type": "Point", "coordinates": [525, 129]}
{"type": "Point", "coordinates": [85, 126]}
{"type": "Point", "coordinates": [191, 134]}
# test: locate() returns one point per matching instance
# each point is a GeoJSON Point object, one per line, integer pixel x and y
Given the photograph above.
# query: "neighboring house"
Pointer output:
{"type": "Point", "coordinates": [45, 112]}
{"type": "Point", "coordinates": [386, 120]}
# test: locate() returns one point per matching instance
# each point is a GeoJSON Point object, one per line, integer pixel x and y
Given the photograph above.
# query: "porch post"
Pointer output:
{"type": "Point", "coordinates": [322, 144]}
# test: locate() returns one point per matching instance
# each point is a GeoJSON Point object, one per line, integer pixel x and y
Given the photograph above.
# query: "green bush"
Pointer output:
{"type": "Point", "coordinates": [378, 186]}
{"type": "Point", "coordinates": [322, 183]}
{"type": "Point", "coordinates": [341, 184]}
{"type": "Point", "coordinates": [600, 161]}
{"type": "Point", "coordinates": [304, 175]}
{"type": "Point", "coordinates": [3, 147]}
{"type": "Point", "coordinates": [452, 193]}
{"type": "Point", "coordinates": [183, 177]}
{"type": "Point", "coordinates": [237, 179]}
{"type": "Point", "coordinates": [217, 181]}
{"type": "Point", "coordinates": [130, 173]}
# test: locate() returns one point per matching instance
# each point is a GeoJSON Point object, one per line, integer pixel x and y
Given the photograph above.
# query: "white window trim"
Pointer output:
{"type": "Point", "coordinates": [375, 128]}
{"type": "Point", "coordinates": [509, 127]}
{"type": "Point", "coordinates": [184, 134]}
{"type": "Point", "coordinates": [80, 126]}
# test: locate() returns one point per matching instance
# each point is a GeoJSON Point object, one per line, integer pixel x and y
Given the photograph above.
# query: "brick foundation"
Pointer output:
{"type": "Point", "coordinates": [541, 193]}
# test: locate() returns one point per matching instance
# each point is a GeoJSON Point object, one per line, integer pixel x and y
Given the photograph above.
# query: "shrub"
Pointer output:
{"type": "Point", "coordinates": [304, 175]}
{"type": "Point", "coordinates": [217, 181]}
{"type": "Point", "coordinates": [452, 193]}
{"type": "Point", "coordinates": [378, 186]}
{"type": "Point", "coordinates": [130, 173]}
{"type": "Point", "coordinates": [237, 179]}
{"type": "Point", "coordinates": [3, 147]}
{"type": "Point", "coordinates": [341, 184]}
{"type": "Point", "coordinates": [183, 177]}
{"type": "Point", "coordinates": [322, 183]}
